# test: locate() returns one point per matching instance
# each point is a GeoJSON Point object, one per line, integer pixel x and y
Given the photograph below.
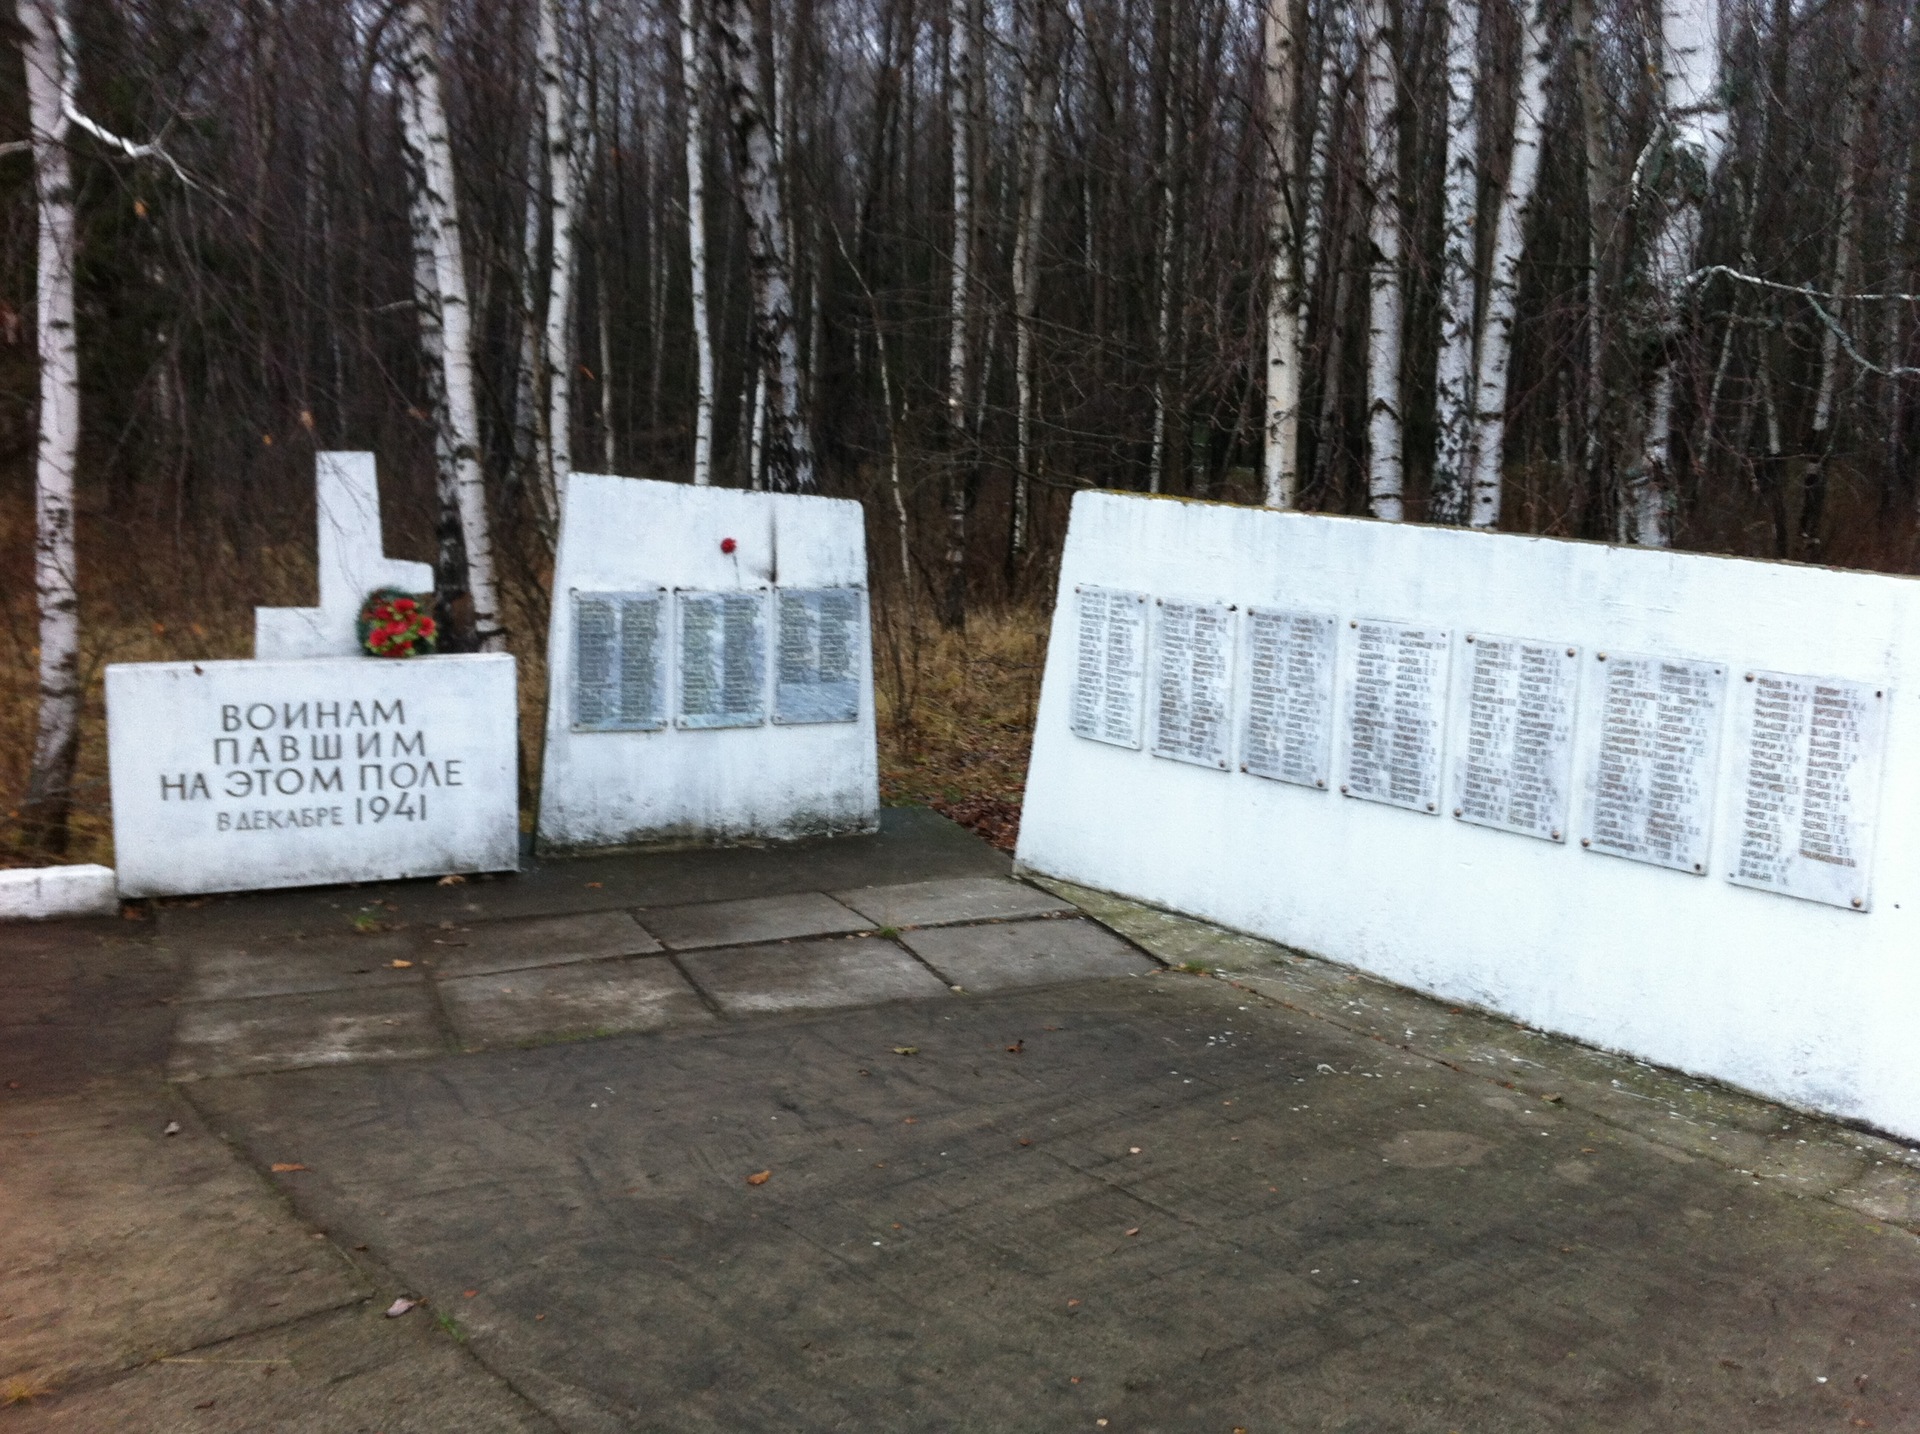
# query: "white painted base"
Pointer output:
{"type": "Point", "coordinates": [42, 893]}
{"type": "Point", "coordinates": [679, 783]}
{"type": "Point", "coordinates": [236, 776]}
{"type": "Point", "coordinates": [1802, 1001]}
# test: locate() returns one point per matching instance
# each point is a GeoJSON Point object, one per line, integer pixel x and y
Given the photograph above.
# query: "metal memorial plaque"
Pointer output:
{"type": "Point", "coordinates": [818, 655]}
{"type": "Point", "coordinates": [1193, 681]}
{"type": "Point", "coordinates": [1655, 762]}
{"type": "Point", "coordinates": [723, 659]}
{"type": "Point", "coordinates": [1109, 679]}
{"type": "Point", "coordinates": [1513, 726]}
{"type": "Point", "coordinates": [1396, 706]}
{"type": "Point", "coordinates": [1806, 794]}
{"type": "Point", "coordinates": [1289, 721]}
{"type": "Point", "coordinates": [619, 662]}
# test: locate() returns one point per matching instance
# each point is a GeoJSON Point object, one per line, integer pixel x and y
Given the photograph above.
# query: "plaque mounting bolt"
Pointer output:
{"type": "Point", "coordinates": [1429, 806]}
{"type": "Point", "coordinates": [1556, 834]}
{"type": "Point", "coordinates": [1586, 841]}
{"type": "Point", "coordinates": [1698, 867]}
{"type": "Point", "coordinates": [1457, 811]}
{"type": "Point", "coordinates": [1343, 789]}
{"type": "Point", "coordinates": [1599, 657]}
{"type": "Point", "coordinates": [1469, 637]}
{"type": "Point", "coordinates": [1858, 903]}
{"type": "Point", "coordinates": [1749, 677]}
{"type": "Point", "coordinates": [1571, 651]}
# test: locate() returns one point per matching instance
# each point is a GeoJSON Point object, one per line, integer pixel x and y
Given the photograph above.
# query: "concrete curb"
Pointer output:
{"type": "Point", "coordinates": [41, 893]}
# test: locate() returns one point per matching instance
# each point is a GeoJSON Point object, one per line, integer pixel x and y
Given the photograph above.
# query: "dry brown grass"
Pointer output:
{"type": "Point", "coordinates": [956, 728]}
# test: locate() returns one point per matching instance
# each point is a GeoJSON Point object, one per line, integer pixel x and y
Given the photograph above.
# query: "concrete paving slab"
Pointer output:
{"type": "Point", "coordinates": [757, 918]}
{"type": "Point", "coordinates": [1026, 953]}
{"type": "Point", "coordinates": [219, 1038]}
{"type": "Point", "coordinates": [940, 903]}
{"type": "Point", "coordinates": [486, 947]}
{"type": "Point", "coordinates": [345, 1372]}
{"type": "Point", "coordinates": [809, 975]}
{"type": "Point", "coordinates": [223, 971]}
{"type": "Point", "coordinates": [550, 1003]}
{"type": "Point", "coordinates": [1173, 1205]}
{"type": "Point", "coordinates": [124, 1243]}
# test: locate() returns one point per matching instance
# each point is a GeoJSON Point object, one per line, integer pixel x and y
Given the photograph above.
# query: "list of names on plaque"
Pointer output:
{"type": "Point", "coordinates": [1193, 687]}
{"type": "Point", "coordinates": [723, 659]}
{"type": "Point", "coordinates": [1289, 696]}
{"type": "Point", "coordinates": [1109, 679]}
{"type": "Point", "coordinates": [1654, 768]}
{"type": "Point", "coordinates": [1810, 769]}
{"type": "Point", "coordinates": [818, 662]}
{"type": "Point", "coordinates": [620, 665]}
{"type": "Point", "coordinates": [1516, 739]}
{"type": "Point", "coordinates": [1394, 714]}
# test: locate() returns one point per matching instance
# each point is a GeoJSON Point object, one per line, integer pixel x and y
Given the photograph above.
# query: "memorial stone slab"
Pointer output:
{"type": "Point", "coordinates": [1806, 788]}
{"type": "Point", "coordinates": [235, 776]}
{"type": "Point", "coordinates": [711, 676]}
{"type": "Point", "coordinates": [1655, 760]}
{"type": "Point", "coordinates": [1396, 703]}
{"type": "Point", "coordinates": [1192, 681]}
{"type": "Point", "coordinates": [1289, 724]}
{"type": "Point", "coordinates": [1513, 725]}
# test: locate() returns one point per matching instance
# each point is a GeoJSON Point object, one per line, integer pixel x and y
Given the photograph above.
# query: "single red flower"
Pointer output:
{"type": "Point", "coordinates": [727, 545]}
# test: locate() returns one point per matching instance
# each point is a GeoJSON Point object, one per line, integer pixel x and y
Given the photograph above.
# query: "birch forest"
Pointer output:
{"type": "Point", "coordinates": [1639, 271]}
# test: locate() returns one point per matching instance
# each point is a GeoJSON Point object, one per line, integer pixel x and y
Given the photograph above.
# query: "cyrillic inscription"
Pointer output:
{"type": "Point", "coordinates": [1515, 735]}
{"type": "Point", "coordinates": [1289, 726]}
{"type": "Point", "coordinates": [1193, 682]}
{"type": "Point", "coordinates": [819, 661]}
{"type": "Point", "coordinates": [723, 659]}
{"type": "Point", "coordinates": [620, 662]}
{"type": "Point", "coordinates": [1808, 786]}
{"type": "Point", "coordinates": [1109, 678]}
{"type": "Point", "coordinates": [1395, 709]}
{"type": "Point", "coordinates": [1654, 766]}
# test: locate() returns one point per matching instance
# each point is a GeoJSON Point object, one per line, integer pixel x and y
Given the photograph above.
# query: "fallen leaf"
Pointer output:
{"type": "Point", "coordinates": [399, 965]}
{"type": "Point", "coordinates": [911, 1120]}
{"type": "Point", "coordinates": [1133, 1150]}
{"type": "Point", "coordinates": [865, 1072]}
{"type": "Point", "coordinates": [1134, 1231]}
{"type": "Point", "coordinates": [593, 886]}
{"type": "Point", "coordinates": [451, 879]}
{"type": "Point", "coordinates": [283, 1167]}
{"type": "Point", "coordinates": [13, 1085]}
{"type": "Point", "coordinates": [539, 1316]}
{"type": "Point", "coordinates": [1073, 1304]}
{"type": "Point", "coordinates": [1017, 1047]}
{"type": "Point", "coordinates": [1025, 1141]}
{"type": "Point", "coordinates": [468, 1294]}
{"type": "Point", "coordinates": [761, 1178]}
{"type": "Point", "coordinates": [1554, 1099]}
{"type": "Point", "coordinates": [173, 1128]}
{"type": "Point", "coordinates": [906, 1050]}
{"type": "Point", "coordinates": [1049, 1028]}
{"type": "Point", "coordinates": [400, 1307]}
{"type": "Point", "coordinates": [207, 1405]}
{"type": "Point", "coordinates": [1101, 1422]}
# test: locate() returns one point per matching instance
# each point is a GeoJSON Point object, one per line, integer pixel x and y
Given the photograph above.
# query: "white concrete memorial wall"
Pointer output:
{"type": "Point", "coordinates": [314, 763]}
{"type": "Point", "coordinates": [709, 672]}
{"type": "Point", "coordinates": [1662, 802]}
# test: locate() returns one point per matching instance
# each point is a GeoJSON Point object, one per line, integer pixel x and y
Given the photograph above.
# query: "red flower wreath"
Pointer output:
{"type": "Point", "coordinates": [396, 624]}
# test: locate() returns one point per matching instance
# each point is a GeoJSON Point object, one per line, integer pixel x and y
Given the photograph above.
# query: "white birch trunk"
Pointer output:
{"type": "Point", "coordinates": [1495, 363]}
{"type": "Point", "coordinates": [1385, 295]}
{"type": "Point", "coordinates": [1459, 296]}
{"type": "Point", "coordinates": [960, 120]}
{"type": "Point", "coordinates": [555, 346]}
{"type": "Point", "coordinates": [1280, 52]}
{"type": "Point", "coordinates": [428, 137]}
{"type": "Point", "coordinates": [1163, 327]}
{"type": "Point", "coordinates": [531, 458]}
{"type": "Point", "coordinates": [1696, 135]}
{"type": "Point", "coordinates": [49, 801]}
{"type": "Point", "coordinates": [1036, 113]}
{"type": "Point", "coordinates": [789, 444]}
{"type": "Point", "coordinates": [692, 73]}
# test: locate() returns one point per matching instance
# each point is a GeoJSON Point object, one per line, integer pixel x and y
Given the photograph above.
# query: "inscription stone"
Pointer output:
{"type": "Point", "coordinates": [1807, 791]}
{"type": "Point", "coordinates": [620, 662]}
{"type": "Point", "coordinates": [1110, 666]}
{"type": "Point", "coordinates": [820, 657]}
{"type": "Point", "coordinates": [1193, 682]}
{"type": "Point", "coordinates": [1395, 709]}
{"type": "Point", "coordinates": [1514, 721]}
{"type": "Point", "coordinates": [232, 776]}
{"type": "Point", "coordinates": [1654, 767]}
{"type": "Point", "coordinates": [723, 659]}
{"type": "Point", "coordinates": [1289, 728]}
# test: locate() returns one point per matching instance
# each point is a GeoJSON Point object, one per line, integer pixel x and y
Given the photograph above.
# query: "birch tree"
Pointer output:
{"type": "Point", "coordinates": [693, 82]}
{"type": "Point", "coordinates": [960, 61]}
{"type": "Point", "coordinates": [788, 453]}
{"type": "Point", "coordinates": [49, 801]}
{"type": "Point", "coordinates": [1039, 83]}
{"type": "Point", "coordinates": [1495, 358]}
{"type": "Point", "coordinates": [560, 96]}
{"type": "Point", "coordinates": [1459, 260]}
{"type": "Point", "coordinates": [1675, 175]}
{"type": "Point", "coordinates": [1286, 268]}
{"type": "Point", "coordinates": [1385, 293]}
{"type": "Point", "coordinates": [424, 114]}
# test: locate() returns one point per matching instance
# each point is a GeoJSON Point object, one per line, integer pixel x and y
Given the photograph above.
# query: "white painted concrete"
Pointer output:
{"type": "Point", "coordinates": [1810, 1003]}
{"type": "Point", "coordinates": [43, 892]}
{"type": "Point", "coordinates": [352, 564]}
{"type": "Point", "coordinates": [686, 782]}
{"type": "Point", "coordinates": [230, 776]}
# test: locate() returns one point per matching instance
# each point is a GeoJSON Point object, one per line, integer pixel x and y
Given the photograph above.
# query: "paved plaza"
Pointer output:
{"type": "Point", "coordinates": [869, 1134]}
